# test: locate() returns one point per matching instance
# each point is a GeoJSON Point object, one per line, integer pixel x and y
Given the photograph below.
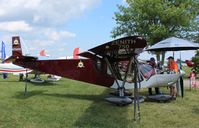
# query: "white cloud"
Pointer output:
{"type": "Point", "coordinates": [61, 34]}
{"type": "Point", "coordinates": [2, 12]}
{"type": "Point", "coordinates": [53, 34]}
{"type": "Point", "coordinates": [49, 37]}
{"type": "Point", "coordinates": [38, 44]}
{"type": "Point", "coordinates": [44, 11]}
{"type": "Point", "coordinates": [61, 49]}
{"type": "Point", "coordinates": [14, 26]}
{"type": "Point", "coordinates": [41, 23]}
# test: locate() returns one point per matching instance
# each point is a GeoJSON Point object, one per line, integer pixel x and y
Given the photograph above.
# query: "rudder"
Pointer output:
{"type": "Point", "coordinates": [16, 47]}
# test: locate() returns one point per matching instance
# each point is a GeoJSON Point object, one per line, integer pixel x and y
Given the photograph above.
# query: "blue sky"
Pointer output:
{"type": "Point", "coordinates": [59, 26]}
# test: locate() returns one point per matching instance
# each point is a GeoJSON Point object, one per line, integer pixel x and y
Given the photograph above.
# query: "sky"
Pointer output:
{"type": "Point", "coordinates": [59, 26]}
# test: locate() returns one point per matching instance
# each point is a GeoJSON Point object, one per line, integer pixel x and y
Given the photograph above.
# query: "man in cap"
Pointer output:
{"type": "Point", "coordinates": [173, 68]}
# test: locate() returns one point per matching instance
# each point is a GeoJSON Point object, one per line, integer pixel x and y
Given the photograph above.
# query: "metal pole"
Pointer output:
{"type": "Point", "coordinates": [138, 103]}
{"type": "Point", "coordinates": [26, 85]}
{"type": "Point", "coordinates": [127, 72]}
{"type": "Point", "coordinates": [135, 93]}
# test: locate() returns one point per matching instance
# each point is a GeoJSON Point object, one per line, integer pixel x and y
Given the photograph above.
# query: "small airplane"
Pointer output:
{"type": "Point", "coordinates": [16, 70]}
{"type": "Point", "coordinates": [99, 67]}
{"type": "Point", "coordinates": [12, 68]}
{"type": "Point", "coordinates": [189, 63]}
{"type": "Point", "coordinates": [102, 66]}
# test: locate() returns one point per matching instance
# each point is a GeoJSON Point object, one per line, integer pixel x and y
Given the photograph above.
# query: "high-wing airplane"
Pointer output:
{"type": "Point", "coordinates": [100, 66]}
{"type": "Point", "coordinates": [103, 65]}
{"type": "Point", "coordinates": [113, 64]}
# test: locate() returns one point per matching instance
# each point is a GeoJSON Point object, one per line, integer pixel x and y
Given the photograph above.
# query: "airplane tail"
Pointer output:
{"type": "Point", "coordinates": [16, 47]}
{"type": "Point", "coordinates": [16, 50]}
{"type": "Point", "coordinates": [75, 53]}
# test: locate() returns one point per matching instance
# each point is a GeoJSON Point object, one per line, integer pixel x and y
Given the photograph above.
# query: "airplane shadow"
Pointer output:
{"type": "Point", "coordinates": [44, 84]}
{"type": "Point", "coordinates": [22, 95]}
{"type": "Point", "coordinates": [76, 96]}
{"type": "Point", "coordinates": [103, 114]}
{"type": "Point", "coordinates": [100, 113]}
{"type": "Point", "coordinates": [10, 81]}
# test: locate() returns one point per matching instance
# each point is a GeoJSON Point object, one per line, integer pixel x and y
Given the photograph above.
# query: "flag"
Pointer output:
{"type": "Point", "coordinates": [3, 51]}
{"type": "Point", "coordinates": [75, 53]}
{"type": "Point", "coordinates": [3, 56]}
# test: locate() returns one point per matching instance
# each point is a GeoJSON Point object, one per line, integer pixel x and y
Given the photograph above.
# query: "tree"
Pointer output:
{"type": "Point", "coordinates": [157, 19]}
{"type": "Point", "coordinates": [195, 59]}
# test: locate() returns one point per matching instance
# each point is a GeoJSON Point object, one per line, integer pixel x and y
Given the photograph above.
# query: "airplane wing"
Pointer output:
{"type": "Point", "coordinates": [89, 55]}
{"type": "Point", "coordinates": [92, 70]}
{"type": "Point", "coordinates": [122, 48]}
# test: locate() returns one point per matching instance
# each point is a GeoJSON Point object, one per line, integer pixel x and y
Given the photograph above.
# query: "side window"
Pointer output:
{"type": "Point", "coordinates": [99, 65]}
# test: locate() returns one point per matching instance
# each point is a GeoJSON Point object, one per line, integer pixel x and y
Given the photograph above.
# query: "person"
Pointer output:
{"type": "Point", "coordinates": [21, 76]}
{"type": "Point", "coordinates": [173, 68]}
{"type": "Point", "coordinates": [5, 75]}
{"type": "Point", "coordinates": [179, 64]}
{"type": "Point", "coordinates": [154, 65]}
{"type": "Point", "coordinates": [152, 62]}
{"type": "Point", "coordinates": [192, 79]}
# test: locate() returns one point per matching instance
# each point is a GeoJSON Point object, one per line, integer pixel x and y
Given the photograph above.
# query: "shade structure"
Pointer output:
{"type": "Point", "coordinates": [173, 44]}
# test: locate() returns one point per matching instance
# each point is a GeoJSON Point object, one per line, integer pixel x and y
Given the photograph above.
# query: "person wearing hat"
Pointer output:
{"type": "Point", "coordinates": [154, 65]}
{"type": "Point", "coordinates": [173, 68]}
{"type": "Point", "coordinates": [172, 65]}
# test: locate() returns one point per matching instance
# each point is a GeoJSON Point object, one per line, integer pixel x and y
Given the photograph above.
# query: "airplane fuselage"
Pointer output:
{"type": "Point", "coordinates": [77, 69]}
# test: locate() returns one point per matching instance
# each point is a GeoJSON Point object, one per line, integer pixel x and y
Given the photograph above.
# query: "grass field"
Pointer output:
{"type": "Point", "coordinates": [72, 104]}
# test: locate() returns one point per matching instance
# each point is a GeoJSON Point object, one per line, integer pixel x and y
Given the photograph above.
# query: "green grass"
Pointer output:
{"type": "Point", "coordinates": [187, 71]}
{"type": "Point", "coordinates": [72, 104]}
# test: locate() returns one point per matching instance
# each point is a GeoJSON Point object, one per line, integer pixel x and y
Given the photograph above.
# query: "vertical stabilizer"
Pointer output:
{"type": "Point", "coordinates": [75, 53]}
{"type": "Point", "coordinates": [16, 47]}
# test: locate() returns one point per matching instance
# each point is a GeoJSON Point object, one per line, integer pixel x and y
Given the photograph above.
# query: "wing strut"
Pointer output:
{"type": "Point", "coordinates": [129, 69]}
{"type": "Point", "coordinates": [112, 71]}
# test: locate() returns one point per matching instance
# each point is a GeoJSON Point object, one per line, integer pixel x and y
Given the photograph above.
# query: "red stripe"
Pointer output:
{"type": "Point", "coordinates": [14, 70]}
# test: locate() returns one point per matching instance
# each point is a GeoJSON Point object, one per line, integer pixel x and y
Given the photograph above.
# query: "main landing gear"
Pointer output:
{"type": "Point", "coordinates": [122, 97]}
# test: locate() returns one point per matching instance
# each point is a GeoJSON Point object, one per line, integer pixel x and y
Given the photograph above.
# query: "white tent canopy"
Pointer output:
{"type": "Point", "coordinates": [173, 44]}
